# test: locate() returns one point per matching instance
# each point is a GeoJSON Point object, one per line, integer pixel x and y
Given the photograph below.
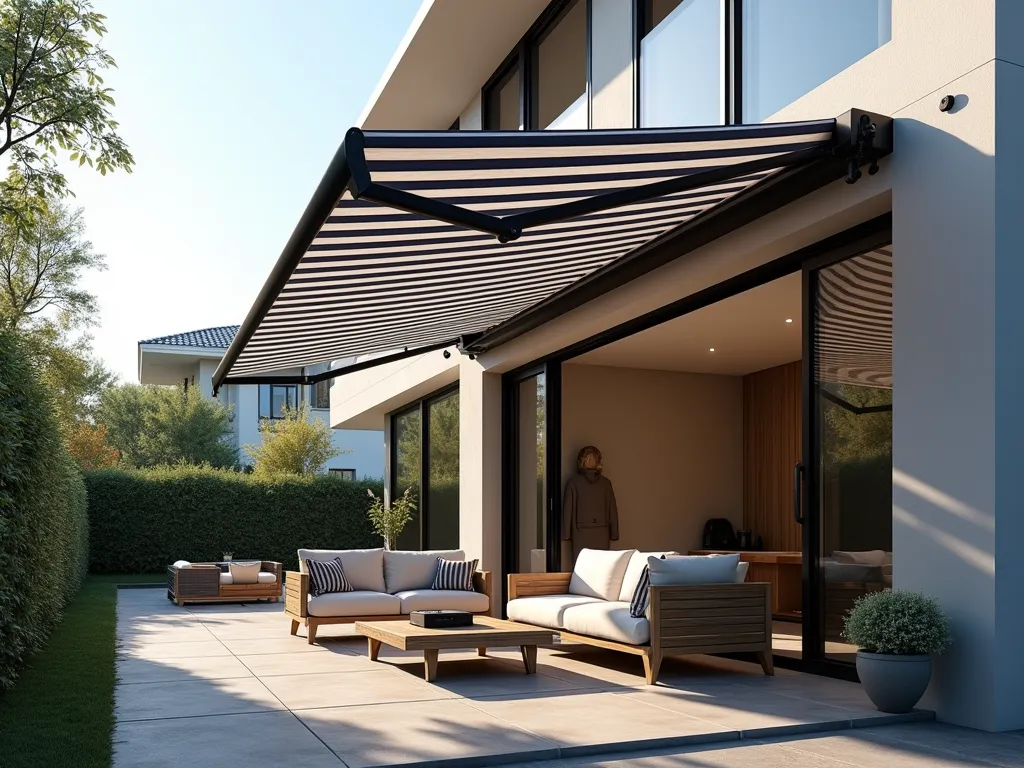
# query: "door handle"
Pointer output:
{"type": "Point", "coordinates": [798, 472]}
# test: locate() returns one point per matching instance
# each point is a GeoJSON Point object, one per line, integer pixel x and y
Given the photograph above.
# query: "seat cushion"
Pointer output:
{"type": "Point", "coordinates": [364, 568]}
{"type": "Point", "coordinates": [634, 570]}
{"type": "Point", "coordinates": [695, 569]}
{"type": "Point", "coordinates": [404, 570]}
{"type": "Point", "coordinates": [545, 610]}
{"type": "Point", "coordinates": [442, 599]}
{"type": "Point", "coordinates": [599, 572]}
{"type": "Point", "coordinates": [266, 577]}
{"type": "Point", "coordinates": [360, 603]}
{"type": "Point", "coordinates": [225, 577]}
{"type": "Point", "coordinates": [609, 621]}
{"type": "Point", "coordinates": [876, 557]}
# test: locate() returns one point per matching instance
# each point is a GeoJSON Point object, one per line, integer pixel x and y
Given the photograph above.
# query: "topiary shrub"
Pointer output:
{"type": "Point", "coordinates": [143, 520]}
{"type": "Point", "coordinates": [43, 526]}
{"type": "Point", "coordinates": [897, 622]}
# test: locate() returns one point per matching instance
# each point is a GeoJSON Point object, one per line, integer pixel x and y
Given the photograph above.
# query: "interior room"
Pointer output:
{"type": "Point", "coordinates": [701, 419]}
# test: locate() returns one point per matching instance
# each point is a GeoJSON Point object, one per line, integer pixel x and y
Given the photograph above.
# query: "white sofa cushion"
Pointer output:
{"type": "Point", "coordinates": [442, 600]}
{"type": "Point", "coordinates": [225, 577]}
{"type": "Point", "coordinates": [360, 603]}
{"type": "Point", "coordinates": [867, 557]}
{"type": "Point", "coordinates": [364, 568]}
{"type": "Point", "coordinates": [599, 572]}
{"type": "Point", "coordinates": [266, 577]}
{"type": "Point", "coordinates": [545, 610]}
{"type": "Point", "coordinates": [695, 569]}
{"type": "Point", "coordinates": [415, 570]}
{"type": "Point", "coordinates": [634, 570]}
{"type": "Point", "coordinates": [609, 620]}
{"type": "Point", "coordinates": [741, 572]}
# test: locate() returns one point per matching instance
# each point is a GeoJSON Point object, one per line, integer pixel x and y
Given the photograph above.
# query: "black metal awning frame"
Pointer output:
{"type": "Point", "coordinates": [860, 138]}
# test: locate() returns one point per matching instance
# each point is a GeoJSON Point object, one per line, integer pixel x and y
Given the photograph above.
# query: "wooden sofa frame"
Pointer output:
{"type": "Point", "coordinates": [296, 597]}
{"type": "Point", "coordinates": [200, 583]}
{"type": "Point", "coordinates": [692, 619]}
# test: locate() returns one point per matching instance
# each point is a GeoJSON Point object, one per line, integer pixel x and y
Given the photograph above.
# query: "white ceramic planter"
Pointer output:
{"type": "Point", "coordinates": [894, 683]}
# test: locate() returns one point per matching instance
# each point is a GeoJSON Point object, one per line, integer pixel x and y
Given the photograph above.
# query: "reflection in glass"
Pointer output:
{"type": "Point", "coordinates": [853, 401]}
{"type": "Point", "coordinates": [681, 64]}
{"type": "Point", "coordinates": [562, 72]}
{"type": "Point", "coordinates": [443, 462]}
{"type": "Point", "coordinates": [791, 47]}
{"type": "Point", "coordinates": [502, 104]}
{"type": "Point", "coordinates": [407, 437]}
{"type": "Point", "coordinates": [532, 511]}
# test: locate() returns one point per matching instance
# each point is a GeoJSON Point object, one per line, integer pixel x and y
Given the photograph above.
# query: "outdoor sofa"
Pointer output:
{"type": "Point", "coordinates": [591, 606]}
{"type": "Point", "coordinates": [212, 582]}
{"type": "Point", "coordinates": [385, 584]}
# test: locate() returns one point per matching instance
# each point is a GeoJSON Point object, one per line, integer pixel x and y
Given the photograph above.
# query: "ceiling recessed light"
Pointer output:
{"type": "Point", "coordinates": [789, 319]}
{"type": "Point", "coordinates": [711, 350]}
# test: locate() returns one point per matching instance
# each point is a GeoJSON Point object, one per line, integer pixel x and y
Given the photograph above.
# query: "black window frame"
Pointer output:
{"type": "Point", "coordinates": [346, 473]}
{"type": "Point", "coordinates": [270, 399]}
{"type": "Point", "coordinates": [422, 406]}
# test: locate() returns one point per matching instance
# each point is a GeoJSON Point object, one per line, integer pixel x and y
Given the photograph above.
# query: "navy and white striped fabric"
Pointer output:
{"type": "Point", "coordinates": [376, 279]}
{"type": "Point", "coordinates": [455, 574]}
{"type": "Point", "coordinates": [641, 595]}
{"type": "Point", "coordinates": [326, 577]}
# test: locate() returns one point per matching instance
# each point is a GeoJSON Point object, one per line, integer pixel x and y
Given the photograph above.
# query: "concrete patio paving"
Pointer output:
{"type": "Point", "coordinates": [208, 684]}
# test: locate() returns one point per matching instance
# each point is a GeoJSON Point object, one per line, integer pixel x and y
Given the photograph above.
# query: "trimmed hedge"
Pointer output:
{"type": "Point", "coordinates": [43, 526]}
{"type": "Point", "coordinates": [143, 520]}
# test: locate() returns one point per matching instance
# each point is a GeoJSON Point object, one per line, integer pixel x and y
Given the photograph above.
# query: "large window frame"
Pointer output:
{"type": "Point", "coordinates": [421, 406]}
{"type": "Point", "coordinates": [290, 402]}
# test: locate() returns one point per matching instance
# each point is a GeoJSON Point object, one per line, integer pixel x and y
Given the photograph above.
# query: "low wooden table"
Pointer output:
{"type": "Point", "coordinates": [483, 634]}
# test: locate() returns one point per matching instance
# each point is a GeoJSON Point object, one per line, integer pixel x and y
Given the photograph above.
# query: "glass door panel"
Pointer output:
{"type": "Point", "coordinates": [442, 520]}
{"type": "Point", "coordinates": [408, 438]}
{"type": "Point", "coordinates": [849, 542]}
{"type": "Point", "coordinates": [531, 491]}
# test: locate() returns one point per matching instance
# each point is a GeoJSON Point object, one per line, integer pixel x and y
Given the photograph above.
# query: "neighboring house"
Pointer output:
{"type": "Point", "coordinates": [832, 366]}
{"type": "Point", "coordinates": [189, 359]}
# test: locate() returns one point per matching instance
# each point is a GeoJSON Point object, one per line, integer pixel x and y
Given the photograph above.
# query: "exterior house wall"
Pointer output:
{"type": "Point", "coordinates": [672, 445]}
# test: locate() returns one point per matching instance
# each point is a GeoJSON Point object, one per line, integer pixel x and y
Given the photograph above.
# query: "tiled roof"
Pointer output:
{"type": "Point", "coordinates": [213, 338]}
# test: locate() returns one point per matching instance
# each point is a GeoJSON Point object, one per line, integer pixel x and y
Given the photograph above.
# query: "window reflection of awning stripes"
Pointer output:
{"type": "Point", "coordinates": [853, 332]}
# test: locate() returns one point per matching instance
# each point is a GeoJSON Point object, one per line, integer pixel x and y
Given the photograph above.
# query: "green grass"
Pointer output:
{"type": "Point", "coordinates": [61, 710]}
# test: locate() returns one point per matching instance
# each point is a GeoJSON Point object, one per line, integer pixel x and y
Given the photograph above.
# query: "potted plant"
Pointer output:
{"type": "Point", "coordinates": [388, 520]}
{"type": "Point", "coordinates": [227, 557]}
{"type": "Point", "coordinates": [897, 632]}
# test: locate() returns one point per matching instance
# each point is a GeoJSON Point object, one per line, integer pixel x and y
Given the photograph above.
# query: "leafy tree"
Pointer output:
{"type": "Point", "coordinates": [295, 444]}
{"type": "Point", "coordinates": [53, 96]}
{"type": "Point", "coordinates": [151, 426]}
{"type": "Point", "coordinates": [88, 446]}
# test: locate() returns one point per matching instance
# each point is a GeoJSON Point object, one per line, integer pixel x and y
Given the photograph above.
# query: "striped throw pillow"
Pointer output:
{"type": "Point", "coordinates": [326, 577]}
{"type": "Point", "coordinates": [455, 574]}
{"type": "Point", "coordinates": [641, 596]}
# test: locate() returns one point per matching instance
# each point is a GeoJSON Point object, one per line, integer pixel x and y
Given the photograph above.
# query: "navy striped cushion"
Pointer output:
{"type": "Point", "coordinates": [326, 577]}
{"type": "Point", "coordinates": [455, 574]}
{"type": "Point", "coordinates": [641, 596]}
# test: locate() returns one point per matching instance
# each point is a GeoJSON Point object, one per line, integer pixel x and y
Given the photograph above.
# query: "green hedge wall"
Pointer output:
{"type": "Point", "coordinates": [43, 527]}
{"type": "Point", "coordinates": [143, 520]}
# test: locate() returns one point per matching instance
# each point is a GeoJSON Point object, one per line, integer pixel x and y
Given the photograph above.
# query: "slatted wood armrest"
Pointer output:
{"type": "Point", "coordinates": [296, 593]}
{"type": "Point", "coordinates": [483, 583]}
{"type": "Point", "coordinates": [537, 584]}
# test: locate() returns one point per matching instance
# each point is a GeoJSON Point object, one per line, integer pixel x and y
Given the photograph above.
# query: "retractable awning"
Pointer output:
{"type": "Point", "coordinates": [419, 240]}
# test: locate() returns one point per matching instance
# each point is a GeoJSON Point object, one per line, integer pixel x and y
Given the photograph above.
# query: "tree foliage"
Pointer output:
{"type": "Point", "coordinates": [87, 444]}
{"type": "Point", "coordinates": [54, 98]}
{"type": "Point", "coordinates": [851, 436]}
{"type": "Point", "coordinates": [151, 426]}
{"type": "Point", "coordinates": [295, 444]}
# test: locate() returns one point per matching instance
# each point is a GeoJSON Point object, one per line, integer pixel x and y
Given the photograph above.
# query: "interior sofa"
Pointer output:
{"type": "Point", "coordinates": [591, 606]}
{"type": "Point", "coordinates": [385, 584]}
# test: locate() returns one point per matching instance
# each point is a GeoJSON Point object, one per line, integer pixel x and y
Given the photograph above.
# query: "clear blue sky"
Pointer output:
{"type": "Point", "coordinates": [233, 109]}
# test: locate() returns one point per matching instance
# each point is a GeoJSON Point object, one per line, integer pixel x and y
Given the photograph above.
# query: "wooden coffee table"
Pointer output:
{"type": "Point", "coordinates": [483, 634]}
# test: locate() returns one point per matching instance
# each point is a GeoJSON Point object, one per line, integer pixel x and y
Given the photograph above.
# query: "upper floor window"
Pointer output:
{"type": "Point", "coordinates": [274, 398]}
{"type": "Point", "coordinates": [346, 474]}
{"type": "Point", "coordinates": [501, 101]}
{"type": "Point", "coordinates": [322, 394]}
{"type": "Point", "coordinates": [790, 47]}
{"type": "Point", "coordinates": [560, 92]}
{"type": "Point", "coordinates": [681, 63]}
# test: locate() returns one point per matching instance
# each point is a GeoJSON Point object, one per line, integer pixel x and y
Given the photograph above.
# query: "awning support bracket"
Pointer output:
{"type": "Point", "coordinates": [864, 150]}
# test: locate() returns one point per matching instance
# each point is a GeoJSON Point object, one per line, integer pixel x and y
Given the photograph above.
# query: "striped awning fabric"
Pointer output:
{"type": "Point", "coordinates": [391, 276]}
{"type": "Point", "coordinates": [853, 332]}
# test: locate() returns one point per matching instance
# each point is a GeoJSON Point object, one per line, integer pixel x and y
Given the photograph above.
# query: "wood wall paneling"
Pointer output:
{"type": "Point", "coordinates": [771, 449]}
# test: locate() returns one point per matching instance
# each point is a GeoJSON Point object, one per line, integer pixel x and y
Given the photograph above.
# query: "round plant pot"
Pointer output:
{"type": "Point", "coordinates": [894, 683]}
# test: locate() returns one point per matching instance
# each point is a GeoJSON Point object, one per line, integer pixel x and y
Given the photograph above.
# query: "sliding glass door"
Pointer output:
{"type": "Point", "coordinates": [847, 474]}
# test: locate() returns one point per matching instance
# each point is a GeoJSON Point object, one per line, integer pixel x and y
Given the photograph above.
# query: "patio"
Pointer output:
{"type": "Point", "coordinates": [207, 684]}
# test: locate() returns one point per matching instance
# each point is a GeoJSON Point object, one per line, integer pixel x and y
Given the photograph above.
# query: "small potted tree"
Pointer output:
{"type": "Point", "coordinates": [388, 520]}
{"type": "Point", "coordinates": [897, 633]}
